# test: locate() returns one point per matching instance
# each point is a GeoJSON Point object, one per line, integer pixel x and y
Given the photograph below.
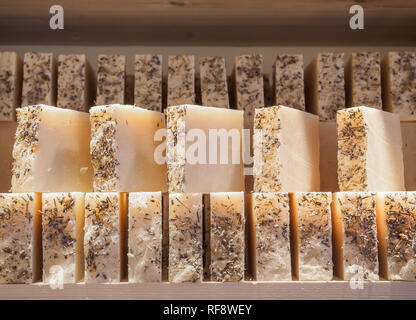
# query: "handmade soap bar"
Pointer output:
{"type": "Point", "coordinates": [148, 81]}
{"type": "Point", "coordinates": [39, 79]}
{"type": "Point", "coordinates": [74, 82]}
{"type": "Point", "coordinates": [63, 237]}
{"type": "Point", "coordinates": [214, 88]}
{"type": "Point", "coordinates": [370, 156]}
{"type": "Point", "coordinates": [409, 153]}
{"type": "Point", "coordinates": [7, 132]}
{"type": "Point", "coordinates": [328, 155]}
{"type": "Point", "coordinates": [325, 87]}
{"type": "Point", "coordinates": [123, 149]}
{"type": "Point", "coordinates": [20, 242]}
{"type": "Point", "coordinates": [355, 235]}
{"type": "Point", "coordinates": [286, 150]}
{"type": "Point", "coordinates": [311, 235]}
{"type": "Point", "coordinates": [288, 80]}
{"type": "Point", "coordinates": [201, 157]}
{"type": "Point", "coordinates": [399, 84]}
{"type": "Point", "coordinates": [363, 80]}
{"type": "Point", "coordinates": [10, 85]}
{"type": "Point", "coordinates": [185, 237]}
{"type": "Point", "coordinates": [269, 218]}
{"type": "Point", "coordinates": [181, 80]}
{"type": "Point", "coordinates": [51, 150]}
{"type": "Point", "coordinates": [145, 237]}
{"type": "Point", "coordinates": [111, 77]}
{"type": "Point", "coordinates": [396, 226]}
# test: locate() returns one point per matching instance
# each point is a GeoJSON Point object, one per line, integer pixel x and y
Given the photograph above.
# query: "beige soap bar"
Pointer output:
{"type": "Point", "coordinates": [325, 86]}
{"type": "Point", "coordinates": [75, 82]}
{"type": "Point", "coordinates": [214, 88]}
{"type": "Point", "coordinates": [20, 243]}
{"type": "Point", "coordinates": [286, 150]}
{"type": "Point", "coordinates": [396, 226]}
{"type": "Point", "coordinates": [370, 156]}
{"type": "Point", "coordinates": [227, 236]}
{"type": "Point", "coordinates": [7, 132]}
{"type": "Point", "coordinates": [328, 155]}
{"type": "Point", "coordinates": [311, 235]}
{"type": "Point", "coordinates": [363, 80]}
{"type": "Point", "coordinates": [181, 80]}
{"type": "Point", "coordinates": [409, 154]}
{"type": "Point", "coordinates": [123, 149]}
{"type": "Point", "coordinates": [288, 86]}
{"type": "Point", "coordinates": [10, 85]}
{"type": "Point", "coordinates": [145, 237]}
{"type": "Point", "coordinates": [355, 236]}
{"type": "Point", "coordinates": [185, 237]}
{"type": "Point", "coordinates": [51, 150]}
{"type": "Point", "coordinates": [399, 84]}
{"type": "Point", "coordinates": [194, 165]}
{"type": "Point", "coordinates": [63, 237]}
{"type": "Point", "coordinates": [269, 218]}
{"type": "Point", "coordinates": [148, 81]}
{"type": "Point", "coordinates": [111, 79]}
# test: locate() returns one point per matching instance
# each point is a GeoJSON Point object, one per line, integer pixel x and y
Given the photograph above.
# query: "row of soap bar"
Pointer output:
{"type": "Point", "coordinates": [154, 237]}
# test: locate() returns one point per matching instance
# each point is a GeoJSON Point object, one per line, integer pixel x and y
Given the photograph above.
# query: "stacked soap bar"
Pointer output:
{"type": "Point", "coordinates": [111, 77]}
{"type": "Point", "coordinates": [10, 85]}
{"type": "Point", "coordinates": [7, 133]}
{"type": "Point", "coordinates": [181, 80]}
{"type": "Point", "coordinates": [214, 89]}
{"type": "Point", "coordinates": [328, 166]}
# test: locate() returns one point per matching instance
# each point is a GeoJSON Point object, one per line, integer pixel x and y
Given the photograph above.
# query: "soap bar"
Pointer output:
{"type": "Point", "coordinates": [194, 165]}
{"type": "Point", "coordinates": [39, 79]}
{"type": "Point", "coordinates": [63, 237]}
{"type": "Point", "coordinates": [288, 81]}
{"type": "Point", "coordinates": [20, 243]}
{"type": "Point", "coordinates": [370, 154]}
{"type": "Point", "coordinates": [185, 237]}
{"type": "Point", "coordinates": [51, 150]}
{"type": "Point", "coordinates": [325, 87]}
{"type": "Point", "coordinates": [311, 235]}
{"type": "Point", "coordinates": [105, 215]}
{"type": "Point", "coordinates": [7, 132]}
{"type": "Point", "coordinates": [111, 75]}
{"type": "Point", "coordinates": [227, 235]}
{"type": "Point", "coordinates": [396, 226]}
{"type": "Point", "coordinates": [74, 82]}
{"type": "Point", "coordinates": [123, 151]}
{"type": "Point", "coordinates": [10, 85]}
{"type": "Point", "coordinates": [328, 155]}
{"type": "Point", "coordinates": [148, 81]}
{"type": "Point", "coordinates": [399, 84]}
{"type": "Point", "coordinates": [409, 154]}
{"type": "Point", "coordinates": [286, 150]}
{"type": "Point", "coordinates": [145, 237]}
{"type": "Point", "coordinates": [363, 80]}
{"type": "Point", "coordinates": [214, 88]}
{"type": "Point", "coordinates": [355, 235]}
{"type": "Point", "coordinates": [181, 80]}
{"type": "Point", "coordinates": [269, 218]}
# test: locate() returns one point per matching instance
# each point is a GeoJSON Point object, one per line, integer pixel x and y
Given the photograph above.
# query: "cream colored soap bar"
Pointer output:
{"type": "Point", "coordinates": [10, 85]}
{"type": "Point", "coordinates": [123, 149]}
{"type": "Point", "coordinates": [363, 80]}
{"type": "Point", "coordinates": [20, 243]}
{"type": "Point", "coordinates": [288, 79]}
{"type": "Point", "coordinates": [181, 80]}
{"type": "Point", "coordinates": [328, 155]}
{"type": "Point", "coordinates": [399, 84]}
{"type": "Point", "coordinates": [148, 81]}
{"type": "Point", "coordinates": [51, 150]}
{"type": "Point", "coordinates": [227, 236]}
{"type": "Point", "coordinates": [111, 79]}
{"type": "Point", "coordinates": [145, 237]}
{"type": "Point", "coordinates": [370, 156]}
{"type": "Point", "coordinates": [214, 88]}
{"type": "Point", "coordinates": [396, 226]}
{"type": "Point", "coordinates": [185, 237]}
{"type": "Point", "coordinates": [217, 167]}
{"type": "Point", "coordinates": [39, 79]}
{"type": "Point", "coordinates": [409, 153]}
{"type": "Point", "coordinates": [325, 86]}
{"type": "Point", "coordinates": [63, 237]}
{"type": "Point", "coordinates": [269, 218]}
{"type": "Point", "coordinates": [355, 236]}
{"type": "Point", "coordinates": [7, 132]}
{"type": "Point", "coordinates": [74, 82]}
{"type": "Point", "coordinates": [286, 150]}
{"type": "Point", "coordinates": [311, 235]}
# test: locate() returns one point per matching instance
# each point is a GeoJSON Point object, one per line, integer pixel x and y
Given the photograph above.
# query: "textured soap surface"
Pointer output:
{"type": "Point", "coordinates": [111, 79]}
{"type": "Point", "coordinates": [181, 80]}
{"type": "Point", "coordinates": [10, 85]}
{"type": "Point", "coordinates": [214, 89]}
